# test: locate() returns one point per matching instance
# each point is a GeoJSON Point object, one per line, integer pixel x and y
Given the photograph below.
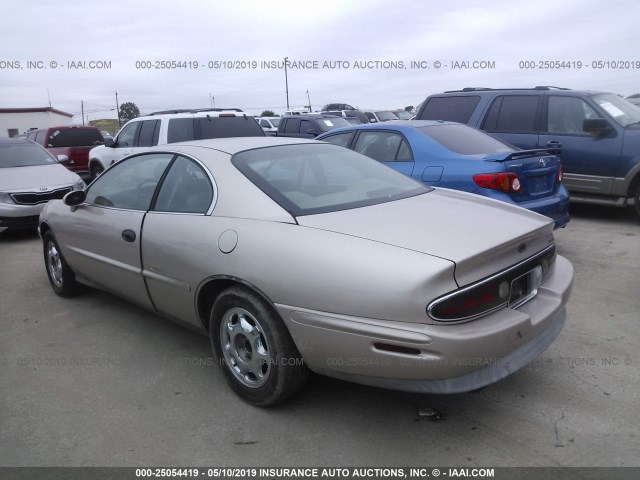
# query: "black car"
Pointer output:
{"type": "Point", "coordinates": [309, 126]}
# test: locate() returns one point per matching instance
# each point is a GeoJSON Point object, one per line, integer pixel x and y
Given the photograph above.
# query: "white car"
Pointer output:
{"type": "Point", "coordinates": [161, 128]}
{"type": "Point", "coordinates": [269, 124]}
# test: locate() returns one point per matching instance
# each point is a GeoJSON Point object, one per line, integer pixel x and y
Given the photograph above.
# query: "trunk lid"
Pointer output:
{"type": "Point", "coordinates": [537, 171]}
{"type": "Point", "coordinates": [481, 236]}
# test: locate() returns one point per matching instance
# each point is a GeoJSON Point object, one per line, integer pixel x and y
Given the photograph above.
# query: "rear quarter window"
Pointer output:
{"type": "Point", "coordinates": [180, 130]}
{"type": "Point", "coordinates": [453, 109]}
{"type": "Point", "coordinates": [223, 127]}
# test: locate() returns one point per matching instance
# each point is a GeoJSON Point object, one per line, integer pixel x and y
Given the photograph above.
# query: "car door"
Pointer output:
{"type": "Point", "coordinates": [514, 119]}
{"type": "Point", "coordinates": [390, 148]}
{"type": "Point", "coordinates": [587, 159]}
{"type": "Point", "coordinates": [178, 235]}
{"type": "Point", "coordinates": [102, 236]}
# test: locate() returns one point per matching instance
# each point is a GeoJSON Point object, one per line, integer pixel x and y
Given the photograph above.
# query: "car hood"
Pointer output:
{"type": "Point", "coordinates": [481, 236]}
{"type": "Point", "coordinates": [28, 178]}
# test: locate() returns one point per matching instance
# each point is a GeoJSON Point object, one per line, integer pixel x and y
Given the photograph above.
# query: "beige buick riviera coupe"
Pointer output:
{"type": "Point", "coordinates": [296, 256]}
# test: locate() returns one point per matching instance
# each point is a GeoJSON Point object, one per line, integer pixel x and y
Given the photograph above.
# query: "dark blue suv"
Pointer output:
{"type": "Point", "coordinates": [598, 133]}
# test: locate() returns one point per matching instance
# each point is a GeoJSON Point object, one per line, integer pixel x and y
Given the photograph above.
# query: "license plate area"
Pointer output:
{"type": "Point", "coordinates": [525, 287]}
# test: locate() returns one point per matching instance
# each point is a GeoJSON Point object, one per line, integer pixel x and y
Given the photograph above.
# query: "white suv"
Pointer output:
{"type": "Point", "coordinates": [172, 126]}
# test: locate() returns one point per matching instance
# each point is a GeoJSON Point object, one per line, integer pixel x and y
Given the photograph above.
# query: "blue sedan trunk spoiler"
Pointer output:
{"type": "Point", "coordinates": [539, 152]}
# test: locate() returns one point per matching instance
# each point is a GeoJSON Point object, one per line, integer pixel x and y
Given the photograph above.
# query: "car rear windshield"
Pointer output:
{"type": "Point", "coordinates": [74, 137]}
{"type": "Point", "coordinates": [309, 179]}
{"type": "Point", "coordinates": [25, 154]}
{"type": "Point", "coordinates": [223, 127]}
{"type": "Point", "coordinates": [465, 140]}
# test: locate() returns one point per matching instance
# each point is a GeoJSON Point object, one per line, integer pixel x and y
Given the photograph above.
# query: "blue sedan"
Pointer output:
{"type": "Point", "coordinates": [452, 155]}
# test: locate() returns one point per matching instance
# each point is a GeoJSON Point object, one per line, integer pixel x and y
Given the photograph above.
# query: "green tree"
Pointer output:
{"type": "Point", "coordinates": [408, 109]}
{"type": "Point", "coordinates": [128, 111]}
{"type": "Point", "coordinates": [267, 113]}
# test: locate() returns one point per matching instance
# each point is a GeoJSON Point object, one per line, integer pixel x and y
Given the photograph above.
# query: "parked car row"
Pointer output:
{"type": "Point", "coordinates": [254, 240]}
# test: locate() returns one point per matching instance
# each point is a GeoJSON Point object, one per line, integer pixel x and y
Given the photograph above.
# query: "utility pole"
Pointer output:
{"type": "Point", "coordinates": [211, 99]}
{"type": "Point", "coordinates": [82, 111]}
{"type": "Point", "coordinates": [118, 110]}
{"type": "Point", "coordinates": [286, 80]}
{"type": "Point", "coordinates": [309, 100]}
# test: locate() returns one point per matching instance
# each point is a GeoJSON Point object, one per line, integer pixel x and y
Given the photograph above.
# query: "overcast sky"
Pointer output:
{"type": "Point", "coordinates": [501, 33]}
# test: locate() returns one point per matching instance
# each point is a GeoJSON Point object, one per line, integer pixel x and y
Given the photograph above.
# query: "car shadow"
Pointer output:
{"type": "Point", "coordinates": [604, 213]}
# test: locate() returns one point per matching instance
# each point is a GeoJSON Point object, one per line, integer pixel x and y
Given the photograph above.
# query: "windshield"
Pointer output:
{"type": "Point", "coordinates": [329, 123]}
{"type": "Point", "coordinates": [309, 179]}
{"type": "Point", "coordinates": [403, 115]}
{"type": "Point", "coordinates": [25, 154]}
{"type": "Point", "coordinates": [623, 112]}
{"type": "Point", "coordinates": [385, 116]}
{"type": "Point", "coordinates": [465, 140]}
{"type": "Point", "coordinates": [274, 121]}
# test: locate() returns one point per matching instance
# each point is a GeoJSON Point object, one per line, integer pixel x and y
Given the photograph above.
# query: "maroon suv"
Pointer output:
{"type": "Point", "coordinates": [74, 142]}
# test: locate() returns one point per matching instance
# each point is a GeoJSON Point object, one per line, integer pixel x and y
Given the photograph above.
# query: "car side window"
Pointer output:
{"type": "Point", "coordinates": [149, 133]}
{"type": "Point", "coordinates": [292, 126]}
{"type": "Point", "coordinates": [32, 137]}
{"type": "Point", "coordinates": [452, 108]}
{"type": "Point", "coordinates": [404, 153]}
{"type": "Point", "coordinates": [185, 189]}
{"type": "Point", "coordinates": [127, 137]}
{"type": "Point", "coordinates": [129, 184]}
{"type": "Point", "coordinates": [305, 126]}
{"type": "Point", "coordinates": [265, 124]}
{"type": "Point", "coordinates": [180, 130]}
{"type": "Point", "coordinates": [341, 139]}
{"type": "Point", "coordinates": [381, 146]}
{"type": "Point", "coordinates": [512, 113]}
{"type": "Point", "coordinates": [567, 114]}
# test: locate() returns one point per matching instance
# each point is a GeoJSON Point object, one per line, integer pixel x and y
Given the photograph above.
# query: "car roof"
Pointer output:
{"type": "Point", "coordinates": [233, 145]}
{"type": "Point", "coordinates": [396, 125]}
{"type": "Point", "coordinates": [15, 140]}
{"type": "Point", "coordinates": [532, 90]}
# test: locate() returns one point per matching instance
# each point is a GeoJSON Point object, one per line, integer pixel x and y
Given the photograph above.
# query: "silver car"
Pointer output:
{"type": "Point", "coordinates": [298, 256]}
{"type": "Point", "coordinates": [30, 177]}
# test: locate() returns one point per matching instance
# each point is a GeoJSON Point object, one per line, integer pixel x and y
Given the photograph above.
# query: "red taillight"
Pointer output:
{"type": "Point", "coordinates": [559, 172]}
{"type": "Point", "coordinates": [506, 182]}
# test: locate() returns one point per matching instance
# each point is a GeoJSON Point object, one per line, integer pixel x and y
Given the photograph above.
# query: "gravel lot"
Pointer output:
{"type": "Point", "coordinates": [95, 381]}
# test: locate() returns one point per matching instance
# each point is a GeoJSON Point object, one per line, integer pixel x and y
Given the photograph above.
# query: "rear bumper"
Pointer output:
{"type": "Point", "coordinates": [556, 206]}
{"type": "Point", "coordinates": [432, 358]}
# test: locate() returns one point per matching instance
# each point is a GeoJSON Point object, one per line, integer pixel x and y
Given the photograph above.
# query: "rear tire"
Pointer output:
{"type": "Point", "coordinates": [61, 277]}
{"type": "Point", "coordinates": [254, 348]}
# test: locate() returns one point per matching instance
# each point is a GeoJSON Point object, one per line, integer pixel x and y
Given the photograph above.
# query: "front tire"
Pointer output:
{"type": "Point", "coordinates": [61, 277]}
{"type": "Point", "coordinates": [96, 170]}
{"type": "Point", "coordinates": [257, 354]}
{"type": "Point", "coordinates": [636, 199]}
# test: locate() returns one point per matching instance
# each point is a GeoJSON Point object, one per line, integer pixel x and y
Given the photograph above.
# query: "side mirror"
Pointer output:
{"type": "Point", "coordinates": [313, 132]}
{"type": "Point", "coordinates": [596, 126]}
{"type": "Point", "coordinates": [108, 142]}
{"type": "Point", "coordinates": [372, 120]}
{"type": "Point", "coordinates": [75, 198]}
{"type": "Point", "coordinates": [62, 158]}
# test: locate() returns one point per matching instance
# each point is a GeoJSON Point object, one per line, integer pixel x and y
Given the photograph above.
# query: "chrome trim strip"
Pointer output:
{"type": "Point", "coordinates": [481, 282]}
